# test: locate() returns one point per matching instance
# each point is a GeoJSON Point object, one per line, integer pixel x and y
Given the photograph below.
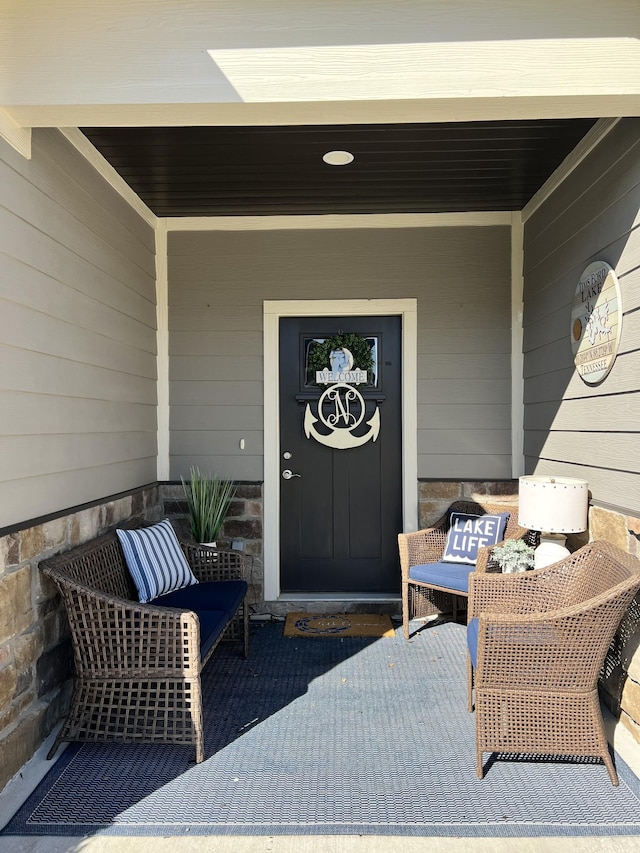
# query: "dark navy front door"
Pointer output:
{"type": "Point", "coordinates": [340, 462]}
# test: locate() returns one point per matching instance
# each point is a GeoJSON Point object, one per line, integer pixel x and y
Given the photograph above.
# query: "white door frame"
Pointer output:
{"type": "Point", "coordinates": [407, 309]}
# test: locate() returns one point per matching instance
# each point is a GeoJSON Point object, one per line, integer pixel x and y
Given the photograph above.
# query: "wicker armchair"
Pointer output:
{"type": "Point", "coordinates": [537, 642]}
{"type": "Point", "coordinates": [421, 599]}
{"type": "Point", "coordinates": [137, 666]}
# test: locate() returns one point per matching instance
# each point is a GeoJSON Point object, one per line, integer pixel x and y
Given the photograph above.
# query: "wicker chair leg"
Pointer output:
{"type": "Point", "coordinates": [598, 724]}
{"type": "Point", "coordinates": [608, 763]}
{"type": "Point", "coordinates": [479, 767]}
{"type": "Point", "coordinates": [405, 610]}
{"type": "Point", "coordinates": [469, 684]}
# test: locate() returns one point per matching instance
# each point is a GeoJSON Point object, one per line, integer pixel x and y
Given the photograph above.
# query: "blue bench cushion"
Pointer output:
{"type": "Point", "coordinates": [215, 604]}
{"type": "Point", "coordinates": [210, 595]}
{"type": "Point", "coordinates": [472, 641]}
{"type": "Point", "coordinates": [212, 624]}
{"type": "Point", "coordinates": [448, 575]}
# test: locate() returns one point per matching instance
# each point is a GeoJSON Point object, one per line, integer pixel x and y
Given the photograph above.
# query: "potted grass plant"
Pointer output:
{"type": "Point", "coordinates": [208, 499]}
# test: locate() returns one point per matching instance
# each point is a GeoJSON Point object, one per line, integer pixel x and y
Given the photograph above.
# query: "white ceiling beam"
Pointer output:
{"type": "Point", "coordinates": [339, 221]}
{"type": "Point", "coordinates": [242, 62]}
{"type": "Point", "coordinates": [339, 112]}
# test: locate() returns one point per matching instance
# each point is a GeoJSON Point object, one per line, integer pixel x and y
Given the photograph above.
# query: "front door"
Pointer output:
{"type": "Point", "coordinates": [340, 454]}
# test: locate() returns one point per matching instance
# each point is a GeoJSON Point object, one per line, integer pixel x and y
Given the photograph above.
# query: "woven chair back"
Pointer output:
{"type": "Point", "coordinates": [99, 564]}
{"type": "Point", "coordinates": [594, 570]}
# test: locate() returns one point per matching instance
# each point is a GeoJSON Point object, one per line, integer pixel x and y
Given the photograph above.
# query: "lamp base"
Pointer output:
{"type": "Point", "coordinates": [550, 550]}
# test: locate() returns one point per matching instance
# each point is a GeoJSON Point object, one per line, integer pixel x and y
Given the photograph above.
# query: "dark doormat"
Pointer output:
{"type": "Point", "coordinates": [348, 736]}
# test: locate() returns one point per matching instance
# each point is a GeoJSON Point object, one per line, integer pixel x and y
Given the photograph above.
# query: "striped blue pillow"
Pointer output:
{"type": "Point", "coordinates": [155, 559]}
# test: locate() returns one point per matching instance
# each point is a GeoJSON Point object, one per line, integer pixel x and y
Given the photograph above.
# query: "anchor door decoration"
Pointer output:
{"type": "Point", "coordinates": [341, 409]}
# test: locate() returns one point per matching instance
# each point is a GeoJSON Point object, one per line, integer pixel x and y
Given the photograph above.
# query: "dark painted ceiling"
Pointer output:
{"type": "Point", "coordinates": [398, 168]}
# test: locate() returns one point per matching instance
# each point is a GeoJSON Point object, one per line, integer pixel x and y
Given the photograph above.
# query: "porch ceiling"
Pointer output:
{"type": "Point", "coordinates": [398, 168]}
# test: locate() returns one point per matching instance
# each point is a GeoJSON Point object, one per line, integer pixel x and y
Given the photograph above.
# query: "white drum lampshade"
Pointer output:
{"type": "Point", "coordinates": [555, 506]}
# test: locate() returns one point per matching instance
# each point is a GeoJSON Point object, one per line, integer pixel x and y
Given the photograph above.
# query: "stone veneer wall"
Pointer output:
{"type": "Point", "coordinates": [620, 681]}
{"type": "Point", "coordinates": [435, 497]}
{"type": "Point", "coordinates": [35, 650]}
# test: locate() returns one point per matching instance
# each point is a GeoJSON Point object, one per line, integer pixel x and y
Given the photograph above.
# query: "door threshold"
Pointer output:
{"type": "Point", "coordinates": [359, 597]}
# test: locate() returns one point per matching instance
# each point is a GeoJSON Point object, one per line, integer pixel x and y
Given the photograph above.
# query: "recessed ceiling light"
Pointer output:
{"type": "Point", "coordinates": [338, 158]}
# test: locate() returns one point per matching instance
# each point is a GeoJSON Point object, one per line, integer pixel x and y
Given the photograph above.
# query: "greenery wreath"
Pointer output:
{"type": "Point", "coordinates": [358, 346]}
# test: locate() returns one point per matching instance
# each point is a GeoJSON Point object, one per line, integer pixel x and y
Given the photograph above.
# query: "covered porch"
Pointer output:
{"type": "Point", "coordinates": [165, 205]}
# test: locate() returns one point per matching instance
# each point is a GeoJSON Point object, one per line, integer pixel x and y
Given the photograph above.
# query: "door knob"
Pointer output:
{"type": "Point", "coordinates": [287, 475]}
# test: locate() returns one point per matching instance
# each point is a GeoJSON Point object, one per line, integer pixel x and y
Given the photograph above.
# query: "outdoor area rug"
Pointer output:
{"type": "Point", "coordinates": [336, 736]}
{"type": "Point", "coordinates": [338, 625]}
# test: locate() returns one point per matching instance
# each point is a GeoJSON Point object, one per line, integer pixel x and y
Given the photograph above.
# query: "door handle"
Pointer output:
{"type": "Point", "coordinates": [288, 475]}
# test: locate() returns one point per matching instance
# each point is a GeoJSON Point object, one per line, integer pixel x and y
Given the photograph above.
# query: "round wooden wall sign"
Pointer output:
{"type": "Point", "coordinates": [596, 322]}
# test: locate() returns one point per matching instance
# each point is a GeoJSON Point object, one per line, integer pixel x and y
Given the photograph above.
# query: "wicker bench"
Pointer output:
{"type": "Point", "coordinates": [137, 666]}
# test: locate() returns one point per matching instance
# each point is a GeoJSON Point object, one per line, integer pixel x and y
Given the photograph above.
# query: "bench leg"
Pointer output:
{"type": "Point", "coordinates": [200, 749]}
{"type": "Point", "coordinates": [245, 628]}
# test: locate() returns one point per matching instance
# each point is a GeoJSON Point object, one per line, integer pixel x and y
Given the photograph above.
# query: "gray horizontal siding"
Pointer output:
{"type": "Point", "coordinates": [461, 440]}
{"type": "Point", "coordinates": [218, 442]}
{"type": "Point", "coordinates": [217, 416]}
{"type": "Point", "coordinates": [589, 413]}
{"type": "Point", "coordinates": [220, 343]}
{"type": "Point", "coordinates": [606, 163]}
{"type": "Point", "coordinates": [52, 336]}
{"type": "Point", "coordinates": [34, 249]}
{"type": "Point", "coordinates": [618, 451]}
{"type": "Point", "coordinates": [78, 338]}
{"type": "Point", "coordinates": [570, 427]}
{"type": "Point", "coordinates": [460, 277]}
{"type": "Point", "coordinates": [222, 393]}
{"type": "Point", "coordinates": [237, 467]}
{"type": "Point", "coordinates": [441, 416]}
{"type": "Point", "coordinates": [25, 370]}
{"type": "Point", "coordinates": [471, 466]}
{"type": "Point", "coordinates": [459, 366]}
{"type": "Point", "coordinates": [63, 415]}
{"type": "Point", "coordinates": [214, 368]}
{"type": "Point", "coordinates": [479, 391]}
{"type": "Point", "coordinates": [46, 493]}
{"type": "Point", "coordinates": [99, 307]}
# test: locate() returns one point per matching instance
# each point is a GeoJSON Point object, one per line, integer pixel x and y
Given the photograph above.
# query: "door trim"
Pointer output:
{"type": "Point", "coordinates": [407, 309]}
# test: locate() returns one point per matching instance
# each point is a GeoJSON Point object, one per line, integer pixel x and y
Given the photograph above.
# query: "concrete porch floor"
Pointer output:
{"type": "Point", "coordinates": [21, 786]}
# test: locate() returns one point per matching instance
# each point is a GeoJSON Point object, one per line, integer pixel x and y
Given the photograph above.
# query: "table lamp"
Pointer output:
{"type": "Point", "coordinates": [555, 506]}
